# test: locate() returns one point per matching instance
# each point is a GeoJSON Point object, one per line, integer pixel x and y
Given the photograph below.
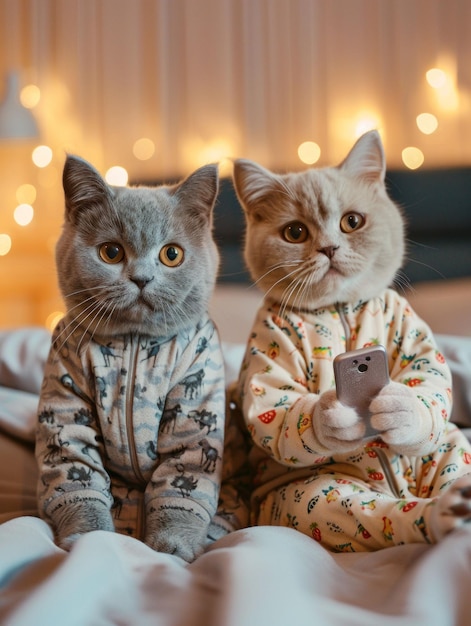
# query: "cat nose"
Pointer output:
{"type": "Point", "coordinates": [329, 251]}
{"type": "Point", "coordinates": [141, 281]}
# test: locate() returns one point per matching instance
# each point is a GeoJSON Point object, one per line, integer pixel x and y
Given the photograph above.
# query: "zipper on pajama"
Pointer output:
{"type": "Point", "coordinates": [129, 413]}
{"type": "Point", "coordinates": [68, 382]}
{"type": "Point", "coordinates": [391, 479]}
{"type": "Point", "coordinates": [129, 421]}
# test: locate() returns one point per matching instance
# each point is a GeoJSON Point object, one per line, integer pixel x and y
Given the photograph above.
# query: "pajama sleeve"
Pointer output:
{"type": "Point", "coordinates": [279, 393]}
{"type": "Point", "coordinates": [415, 361]}
{"type": "Point", "coordinates": [69, 447]}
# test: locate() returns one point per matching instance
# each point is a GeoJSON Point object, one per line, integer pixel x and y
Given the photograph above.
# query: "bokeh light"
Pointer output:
{"type": "Point", "coordinates": [23, 214]}
{"type": "Point", "coordinates": [412, 157]}
{"type": "Point", "coordinates": [26, 194]}
{"type": "Point", "coordinates": [365, 123]}
{"type": "Point", "coordinates": [117, 176]}
{"type": "Point", "coordinates": [5, 244]}
{"type": "Point", "coordinates": [436, 78]}
{"type": "Point", "coordinates": [30, 96]}
{"type": "Point", "coordinates": [427, 123]}
{"type": "Point", "coordinates": [42, 156]}
{"type": "Point", "coordinates": [143, 149]}
{"type": "Point", "coordinates": [53, 319]}
{"type": "Point", "coordinates": [309, 152]}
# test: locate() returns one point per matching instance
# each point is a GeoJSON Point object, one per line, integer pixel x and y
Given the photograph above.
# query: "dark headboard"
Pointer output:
{"type": "Point", "coordinates": [437, 207]}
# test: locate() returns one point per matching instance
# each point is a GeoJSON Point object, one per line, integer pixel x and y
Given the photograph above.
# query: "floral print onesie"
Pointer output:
{"type": "Point", "coordinates": [368, 498]}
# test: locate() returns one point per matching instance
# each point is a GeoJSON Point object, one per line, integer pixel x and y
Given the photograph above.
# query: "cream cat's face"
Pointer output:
{"type": "Point", "coordinates": [325, 235]}
{"type": "Point", "coordinates": [136, 259]}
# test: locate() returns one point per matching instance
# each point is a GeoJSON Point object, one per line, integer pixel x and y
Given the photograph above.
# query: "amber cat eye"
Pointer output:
{"type": "Point", "coordinates": [351, 222]}
{"type": "Point", "coordinates": [111, 253]}
{"type": "Point", "coordinates": [295, 232]}
{"type": "Point", "coordinates": [171, 255]}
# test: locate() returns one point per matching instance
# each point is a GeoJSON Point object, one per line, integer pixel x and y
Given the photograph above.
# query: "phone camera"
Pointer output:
{"type": "Point", "coordinates": [362, 367]}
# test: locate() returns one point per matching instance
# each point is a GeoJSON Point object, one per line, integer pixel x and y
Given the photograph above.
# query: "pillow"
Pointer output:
{"type": "Point", "coordinates": [23, 353]}
{"type": "Point", "coordinates": [457, 352]}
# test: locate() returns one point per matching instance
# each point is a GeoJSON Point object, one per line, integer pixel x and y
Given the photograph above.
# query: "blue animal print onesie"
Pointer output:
{"type": "Point", "coordinates": [133, 426]}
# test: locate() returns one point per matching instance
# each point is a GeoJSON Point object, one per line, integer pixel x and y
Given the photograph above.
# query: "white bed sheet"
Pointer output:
{"type": "Point", "coordinates": [259, 576]}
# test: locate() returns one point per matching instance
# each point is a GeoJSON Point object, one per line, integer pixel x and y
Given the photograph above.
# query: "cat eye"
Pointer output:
{"type": "Point", "coordinates": [351, 222]}
{"type": "Point", "coordinates": [171, 255]}
{"type": "Point", "coordinates": [111, 252]}
{"type": "Point", "coordinates": [295, 232]}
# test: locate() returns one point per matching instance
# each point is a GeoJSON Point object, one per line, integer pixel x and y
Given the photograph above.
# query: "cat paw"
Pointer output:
{"type": "Point", "coordinates": [66, 543]}
{"type": "Point", "coordinates": [452, 510]}
{"type": "Point", "coordinates": [395, 415]}
{"type": "Point", "coordinates": [338, 428]}
{"type": "Point", "coordinates": [178, 532]}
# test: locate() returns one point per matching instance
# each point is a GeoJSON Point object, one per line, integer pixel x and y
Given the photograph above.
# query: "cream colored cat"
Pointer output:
{"type": "Point", "coordinates": [325, 245]}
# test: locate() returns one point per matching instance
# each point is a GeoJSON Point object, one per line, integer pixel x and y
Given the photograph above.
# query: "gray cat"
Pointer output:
{"type": "Point", "coordinates": [131, 414]}
{"type": "Point", "coordinates": [325, 245]}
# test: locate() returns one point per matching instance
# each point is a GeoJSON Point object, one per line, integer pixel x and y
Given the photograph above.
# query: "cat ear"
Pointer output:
{"type": "Point", "coordinates": [83, 186]}
{"type": "Point", "coordinates": [366, 159]}
{"type": "Point", "coordinates": [199, 190]}
{"type": "Point", "coordinates": [253, 183]}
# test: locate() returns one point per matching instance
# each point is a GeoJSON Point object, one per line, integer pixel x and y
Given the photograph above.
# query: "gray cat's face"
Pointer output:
{"type": "Point", "coordinates": [136, 259]}
{"type": "Point", "coordinates": [324, 235]}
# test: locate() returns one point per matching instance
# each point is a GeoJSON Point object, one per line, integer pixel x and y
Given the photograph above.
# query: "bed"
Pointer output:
{"type": "Point", "coordinates": [261, 575]}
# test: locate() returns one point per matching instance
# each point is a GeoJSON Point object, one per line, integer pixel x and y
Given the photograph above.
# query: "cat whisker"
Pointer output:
{"type": "Point", "coordinates": [283, 278]}
{"type": "Point", "coordinates": [181, 311]}
{"type": "Point", "coordinates": [291, 289]}
{"type": "Point", "coordinates": [277, 267]}
{"type": "Point", "coordinates": [403, 283]}
{"type": "Point", "coordinates": [298, 287]}
{"type": "Point", "coordinates": [84, 314]}
{"type": "Point", "coordinates": [302, 278]}
{"type": "Point", "coordinates": [87, 289]}
{"type": "Point", "coordinates": [72, 325]}
{"type": "Point", "coordinates": [104, 310]}
{"type": "Point", "coordinates": [434, 269]}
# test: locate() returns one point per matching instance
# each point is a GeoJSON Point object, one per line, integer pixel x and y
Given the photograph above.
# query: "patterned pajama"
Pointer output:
{"type": "Point", "coordinates": [351, 509]}
{"type": "Point", "coordinates": [369, 498]}
{"type": "Point", "coordinates": [132, 425]}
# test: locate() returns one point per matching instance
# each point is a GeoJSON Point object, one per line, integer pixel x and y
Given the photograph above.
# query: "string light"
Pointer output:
{"type": "Point", "coordinates": [53, 319]}
{"type": "Point", "coordinates": [117, 176]}
{"type": "Point", "coordinates": [309, 152]}
{"type": "Point", "coordinates": [444, 83]}
{"type": "Point", "coordinates": [436, 78]}
{"type": "Point", "coordinates": [412, 157]}
{"type": "Point", "coordinates": [26, 194]}
{"type": "Point", "coordinates": [23, 214]}
{"type": "Point", "coordinates": [30, 96]}
{"type": "Point", "coordinates": [5, 244]}
{"type": "Point", "coordinates": [365, 123]}
{"type": "Point", "coordinates": [143, 149]}
{"type": "Point", "coordinates": [214, 152]}
{"type": "Point", "coordinates": [427, 123]}
{"type": "Point", "coordinates": [42, 156]}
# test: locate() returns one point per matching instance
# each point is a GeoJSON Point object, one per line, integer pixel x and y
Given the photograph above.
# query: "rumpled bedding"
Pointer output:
{"type": "Point", "coordinates": [255, 576]}
{"type": "Point", "coordinates": [258, 576]}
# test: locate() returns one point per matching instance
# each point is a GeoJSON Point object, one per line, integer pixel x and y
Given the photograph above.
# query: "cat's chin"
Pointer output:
{"type": "Point", "coordinates": [333, 288]}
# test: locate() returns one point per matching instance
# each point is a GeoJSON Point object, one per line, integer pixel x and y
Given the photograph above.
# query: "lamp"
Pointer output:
{"type": "Point", "coordinates": [16, 122]}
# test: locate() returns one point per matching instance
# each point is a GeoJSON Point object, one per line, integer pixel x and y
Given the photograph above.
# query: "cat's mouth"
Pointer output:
{"type": "Point", "coordinates": [332, 270]}
{"type": "Point", "coordinates": [143, 300]}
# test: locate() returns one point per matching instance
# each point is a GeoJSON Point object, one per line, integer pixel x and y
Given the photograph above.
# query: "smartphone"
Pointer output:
{"type": "Point", "coordinates": [359, 377]}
